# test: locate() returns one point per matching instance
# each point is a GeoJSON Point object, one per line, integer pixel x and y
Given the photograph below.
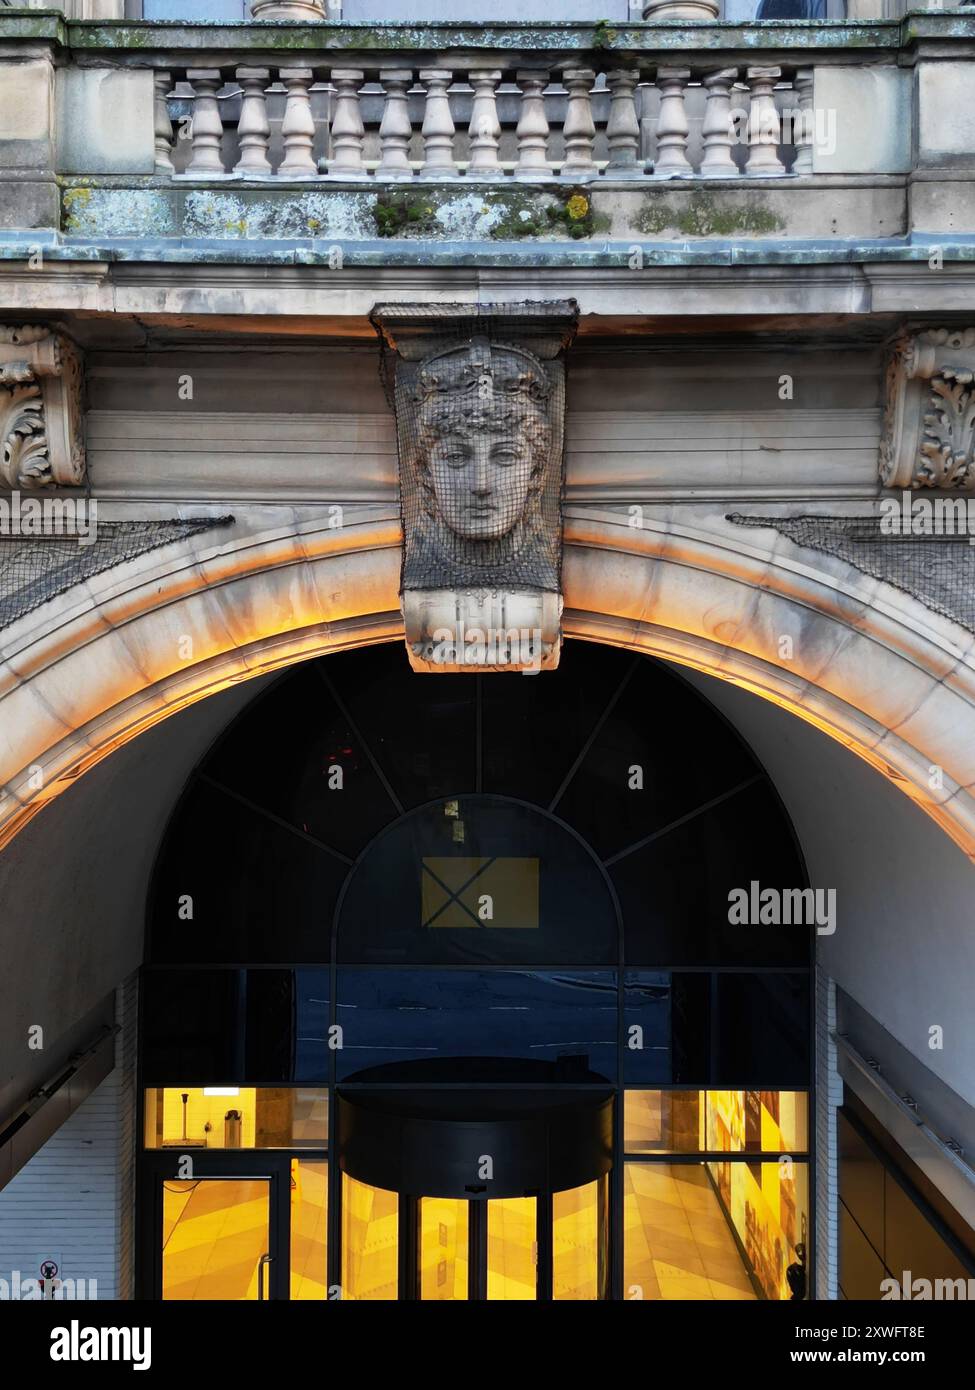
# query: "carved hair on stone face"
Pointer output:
{"type": "Point", "coordinates": [484, 437]}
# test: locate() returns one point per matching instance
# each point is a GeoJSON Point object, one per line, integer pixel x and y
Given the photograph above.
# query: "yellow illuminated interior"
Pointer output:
{"type": "Point", "coordinates": [512, 1249]}
{"type": "Point", "coordinates": [370, 1241]}
{"type": "Point", "coordinates": [715, 1121]}
{"type": "Point", "coordinates": [214, 1234]}
{"type": "Point", "coordinates": [676, 1240]}
{"type": "Point", "coordinates": [309, 1224]}
{"type": "Point", "coordinates": [443, 1249]}
{"type": "Point", "coordinates": [578, 1217]}
{"type": "Point", "coordinates": [270, 1117]}
{"type": "Point", "coordinates": [461, 891]}
{"type": "Point", "coordinates": [768, 1205]}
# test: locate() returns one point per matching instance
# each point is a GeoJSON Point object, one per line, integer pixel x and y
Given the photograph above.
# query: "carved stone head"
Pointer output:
{"type": "Point", "coordinates": [480, 426]}
{"type": "Point", "coordinates": [479, 395]}
{"type": "Point", "coordinates": [484, 439]}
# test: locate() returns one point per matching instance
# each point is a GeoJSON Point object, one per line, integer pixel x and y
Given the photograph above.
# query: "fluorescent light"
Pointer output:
{"type": "Point", "coordinates": [221, 1090]}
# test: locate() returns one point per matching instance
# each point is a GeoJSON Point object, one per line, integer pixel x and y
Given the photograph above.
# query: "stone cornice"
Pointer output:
{"type": "Point", "coordinates": [144, 43]}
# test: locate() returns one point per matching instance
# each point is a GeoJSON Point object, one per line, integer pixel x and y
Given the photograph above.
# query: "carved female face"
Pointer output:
{"type": "Point", "coordinates": [482, 479]}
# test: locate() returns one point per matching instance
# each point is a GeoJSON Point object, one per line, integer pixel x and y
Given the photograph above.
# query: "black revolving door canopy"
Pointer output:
{"type": "Point", "coordinates": [476, 1146]}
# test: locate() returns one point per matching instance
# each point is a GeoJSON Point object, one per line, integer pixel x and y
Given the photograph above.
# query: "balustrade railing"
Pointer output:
{"type": "Point", "coordinates": [483, 124]}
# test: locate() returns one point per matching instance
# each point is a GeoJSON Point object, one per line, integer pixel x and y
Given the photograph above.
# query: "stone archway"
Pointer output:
{"type": "Point", "coordinates": [869, 665]}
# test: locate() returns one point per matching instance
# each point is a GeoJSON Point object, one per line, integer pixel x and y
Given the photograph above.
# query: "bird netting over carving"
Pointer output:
{"type": "Point", "coordinates": [479, 396]}
{"type": "Point", "coordinates": [39, 568]}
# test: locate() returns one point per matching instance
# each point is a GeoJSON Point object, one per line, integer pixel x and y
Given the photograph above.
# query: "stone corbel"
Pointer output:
{"type": "Point", "coordinates": [479, 396]}
{"type": "Point", "coordinates": [41, 409]}
{"type": "Point", "coordinates": [929, 420]}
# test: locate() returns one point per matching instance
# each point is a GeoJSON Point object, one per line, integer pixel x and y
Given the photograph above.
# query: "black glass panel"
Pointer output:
{"type": "Point", "coordinates": [478, 880]}
{"type": "Point", "coordinates": [660, 755]}
{"type": "Point", "coordinates": [296, 754]}
{"type": "Point", "coordinates": [192, 1026]}
{"type": "Point", "coordinates": [566, 1021]}
{"type": "Point", "coordinates": [425, 740]}
{"type": "Point", "coordinates": [534, 728]}
{"type": "Point", "coordinates": [666, 1028]}
{"type": "Point", "coordinates": [674, 892]}
{"type": "Point", "coordinates": [763, 1029]}
{"type": "Point", "coordinates": [257, 892]}
{"type": "Point", "coordinates": [234, 1027]}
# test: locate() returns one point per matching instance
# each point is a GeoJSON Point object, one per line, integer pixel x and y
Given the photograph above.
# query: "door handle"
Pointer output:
{"type": "Point", "coordinates": [262, 1264]}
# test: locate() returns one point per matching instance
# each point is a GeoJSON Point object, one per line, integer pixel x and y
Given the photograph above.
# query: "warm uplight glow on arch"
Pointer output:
{"type": "Point", "coordinates": [72, 695]}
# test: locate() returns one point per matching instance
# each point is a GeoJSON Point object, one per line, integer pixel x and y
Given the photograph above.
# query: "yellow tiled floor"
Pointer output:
{"type": "Point", "coordinates": [677, 1242]}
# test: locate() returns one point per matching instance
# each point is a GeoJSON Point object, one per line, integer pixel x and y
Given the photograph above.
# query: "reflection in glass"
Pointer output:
{"type": "Point", "coordinates": [477, 880]}
{"type": "Point", "coordinates": [663, 1122]}
{"type": "Point", "coordinates": [567, 1019]}
{"type": "Point", "coordinates": [370, 1241]}
{"type": "Point", "coordinates": [715, 1121]}
{"type": "Point", "coordinates": [443, 1249]}
{"type": "Point", "coordinates": [757, 1121]}
{"type": "Point", "coordinates": [214, 1232]}
{"type": "Point", "coordinates": [236, 1117]}
{"type": "Point", "coordinates": [512, 1249]}
{"type": "Point", "coordinates": [309, 1224]}
{"type": "Point", "coordinates": [768, 1204]}
{"type": "Point", "coordinates": [579, 1241]}
{"type": "Point", "coordinates": [673, 1015]}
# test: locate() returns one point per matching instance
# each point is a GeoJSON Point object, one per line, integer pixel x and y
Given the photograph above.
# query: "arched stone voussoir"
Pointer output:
{"type": "Point", "coordinates": [184, 626]}
{"type": "Point", "coordinates": [872, 667]}
{"type": "Point", "coordinates": [865, 663]}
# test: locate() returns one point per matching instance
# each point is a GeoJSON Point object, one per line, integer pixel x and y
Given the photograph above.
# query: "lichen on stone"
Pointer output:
{"type": "Point", "coordinates": [703, 217]}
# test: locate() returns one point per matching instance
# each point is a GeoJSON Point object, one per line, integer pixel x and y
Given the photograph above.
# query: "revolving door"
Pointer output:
{"type": "Point", "coordinates": [450, 1196]}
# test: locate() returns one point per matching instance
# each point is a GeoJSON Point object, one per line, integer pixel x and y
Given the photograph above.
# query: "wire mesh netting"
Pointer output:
{"type": "Point", "coordinates": [479, 397]}
{"type": "Point", "coordinates": [939, 571]}
{"type": "Point", "coordinates": [35, 570]}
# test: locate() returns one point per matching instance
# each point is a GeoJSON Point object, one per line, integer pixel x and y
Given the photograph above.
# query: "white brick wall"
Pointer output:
{"type": "Point", "coordinates": [74, 1201]}
{"type": "Point", "coordinates": [829, 1096]}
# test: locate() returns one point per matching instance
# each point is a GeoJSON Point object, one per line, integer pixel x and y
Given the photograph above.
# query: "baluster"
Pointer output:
{"type": "Point", "coordinates": [578, 129]}
{"type": "Point", "coordinates": [163, 127]}
{"type": "Point", "coordinates": [348, 131]}
{"type": "Point", "coordinates": [532, 131]}
{"type": "Point", "coordinates": [672, 127]}
{"type": "Point", "coordinates": [395, 131]}
{"type": "Point", "coordinates": [253, 129]}
{"type": "Point", "coordinates": [438, 126]}
{"type": "Point", "coordinates": [763, 125]}
{"type": "Point", "coordinates": [206, 128]}
{"type": "Point", "coordinates": [718, 130]}
{"type": "Point", "coordinates": [805, 125]}
{"type": "Point", "coordinates": [297, 126]}
{"type": "Point", "coordinates": [485, 128]}
{"type": "Point", "coordinates": [623, 128]}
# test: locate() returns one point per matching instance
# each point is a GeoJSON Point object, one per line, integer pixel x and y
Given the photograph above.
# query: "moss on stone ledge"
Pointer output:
{"type": "Point", "coordinates": [704, 217]}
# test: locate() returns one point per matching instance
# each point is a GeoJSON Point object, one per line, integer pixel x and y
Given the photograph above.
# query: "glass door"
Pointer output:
{"type": "Point", "coordinates": [216, 1239]}
{"type": "Point", "coordinates": [512, 1249]}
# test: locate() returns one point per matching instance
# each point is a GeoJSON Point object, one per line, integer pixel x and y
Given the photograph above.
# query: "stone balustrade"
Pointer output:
{"type": "Point", "coordinates": [841, 131]}
{"type": "Point", "coordinates": [403, 123]}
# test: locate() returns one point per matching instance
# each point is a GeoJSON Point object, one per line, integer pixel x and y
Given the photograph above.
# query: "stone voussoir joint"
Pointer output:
{"type": "Point", "coordinates": [41, 409]}
{"type": "Point", "coordinates": [929, 422]}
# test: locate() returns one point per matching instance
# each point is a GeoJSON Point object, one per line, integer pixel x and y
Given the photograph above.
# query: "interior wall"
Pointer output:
{"type": "Point", "coordinates": [904, 945]}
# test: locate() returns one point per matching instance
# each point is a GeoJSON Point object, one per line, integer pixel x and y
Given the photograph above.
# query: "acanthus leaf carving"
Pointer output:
{"type": "Point", "coordinates": [929, 420]}
{"type": "Point", "coordinates": [41, 409]}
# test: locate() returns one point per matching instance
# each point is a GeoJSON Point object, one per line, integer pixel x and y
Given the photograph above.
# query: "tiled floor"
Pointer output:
{"type": "Point", "coordinates": [678, 1244]}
